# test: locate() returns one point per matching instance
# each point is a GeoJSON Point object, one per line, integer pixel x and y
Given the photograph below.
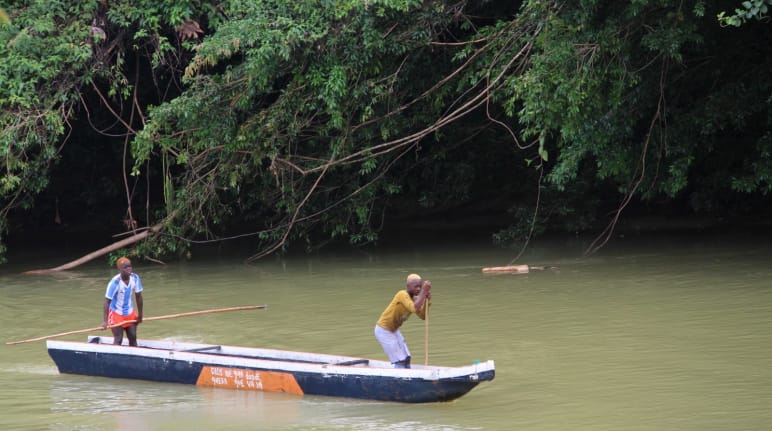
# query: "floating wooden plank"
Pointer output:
{"type": "Point", "coordinates": [511, 269]}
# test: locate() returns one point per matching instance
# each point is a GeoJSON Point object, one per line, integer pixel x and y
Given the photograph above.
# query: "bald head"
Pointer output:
{"type": "Point", "coordinates": [413, 278]}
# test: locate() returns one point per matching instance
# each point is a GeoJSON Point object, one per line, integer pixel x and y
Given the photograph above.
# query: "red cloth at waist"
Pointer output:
{"type": "Point", "coordinates": [114, 318]}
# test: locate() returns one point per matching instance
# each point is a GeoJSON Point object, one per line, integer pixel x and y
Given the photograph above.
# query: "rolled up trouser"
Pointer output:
{"type": "Point", "coordinates": [393, 344]}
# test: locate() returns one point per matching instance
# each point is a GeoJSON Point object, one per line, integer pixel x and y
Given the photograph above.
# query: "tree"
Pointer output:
{"type": "Point", "coordinates": [63, 62]}
{"type": "Point", "coordinates": [309, 121]}
{"type": "Point", "coordinates": [557, 80]}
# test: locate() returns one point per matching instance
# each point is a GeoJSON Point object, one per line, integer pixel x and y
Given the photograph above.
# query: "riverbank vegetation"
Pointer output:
{"type": "Point", "coordinates": [294, 124]}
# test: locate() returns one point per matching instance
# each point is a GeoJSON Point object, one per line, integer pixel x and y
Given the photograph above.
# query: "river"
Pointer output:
{"type": "Point", "coordinates": [654, 332]}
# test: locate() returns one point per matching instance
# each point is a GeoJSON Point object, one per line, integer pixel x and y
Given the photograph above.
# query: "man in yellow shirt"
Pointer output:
{"type": "Point", "coordinates": [414, 299]}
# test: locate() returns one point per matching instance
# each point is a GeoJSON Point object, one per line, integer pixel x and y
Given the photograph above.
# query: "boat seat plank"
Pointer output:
{"type": "Point", "coordinates": [353, 362]}
{"type": "Point", "coordinates": [202, 349]}
{"type": "Point", "coordinates": [217, 350]}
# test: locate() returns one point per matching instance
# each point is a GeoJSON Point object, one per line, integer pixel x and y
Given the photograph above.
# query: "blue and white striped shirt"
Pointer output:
{"type": "Point", "coordinates": [119, 293]}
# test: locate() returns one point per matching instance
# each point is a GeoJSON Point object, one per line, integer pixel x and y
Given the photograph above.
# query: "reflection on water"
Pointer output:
{"type": "Point", "coordinates": [134, 405]}
{"type": "Point", "coordinates": [129, 405]}
{"type": "Point", "coordinates": [662, 333]}
{"type": "Point", "coordinates": [87, 395]}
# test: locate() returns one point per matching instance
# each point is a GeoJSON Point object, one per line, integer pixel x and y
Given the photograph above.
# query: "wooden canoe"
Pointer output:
{"type": "Point", "coordinates": [267, 370]}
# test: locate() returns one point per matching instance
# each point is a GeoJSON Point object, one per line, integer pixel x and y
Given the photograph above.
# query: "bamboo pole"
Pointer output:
{"type": "Point", "coordinates": [426, 334]}
{"type": "Point", "coordinates": [168, 316]}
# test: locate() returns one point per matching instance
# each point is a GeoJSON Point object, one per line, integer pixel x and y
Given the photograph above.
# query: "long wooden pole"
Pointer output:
{"type": "Point", "coordinates": [426, 334]}
{"type": "Point", "coordinates": [168, 316]}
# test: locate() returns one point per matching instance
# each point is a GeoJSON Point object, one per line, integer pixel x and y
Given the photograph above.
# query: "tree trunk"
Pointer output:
{"type": "Point", "coordinates": [101, 252]}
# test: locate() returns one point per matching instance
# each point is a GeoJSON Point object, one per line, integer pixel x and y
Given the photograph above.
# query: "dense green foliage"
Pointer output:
{"type": "Point", "coordinates": [750, 9]}
{"type": "Point", "coordinates": [311, 120]}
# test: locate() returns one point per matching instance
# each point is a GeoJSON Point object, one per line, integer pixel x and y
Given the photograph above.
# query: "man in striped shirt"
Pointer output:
{"type": "Point", "coordinates": [119, 307]}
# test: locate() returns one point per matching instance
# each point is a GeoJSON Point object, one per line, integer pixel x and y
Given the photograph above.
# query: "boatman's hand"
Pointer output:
{"type": "Point", "coordinates": [428, 287]}
{"type": "Point", "coordinates": [104, 325]}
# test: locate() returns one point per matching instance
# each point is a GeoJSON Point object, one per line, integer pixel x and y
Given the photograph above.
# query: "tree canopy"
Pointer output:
{"type": "Point", "coordinates": [315, 120]}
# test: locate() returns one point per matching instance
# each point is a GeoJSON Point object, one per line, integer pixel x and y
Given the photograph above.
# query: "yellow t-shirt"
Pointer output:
{"type": "Point", "coordinates": [398, 310]}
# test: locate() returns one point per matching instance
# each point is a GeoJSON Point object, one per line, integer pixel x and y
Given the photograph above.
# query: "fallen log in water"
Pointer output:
{"type": "Point", "coordinates": [516, 269]}
{"type": "Point", "coordinates": [101, 252]}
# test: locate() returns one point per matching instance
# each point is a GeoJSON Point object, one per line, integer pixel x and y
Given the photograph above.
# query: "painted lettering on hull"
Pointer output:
{"type": "Point", "coordinates": [250, 380]}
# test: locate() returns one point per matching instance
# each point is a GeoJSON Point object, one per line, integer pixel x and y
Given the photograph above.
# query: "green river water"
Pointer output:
{"type": "Point", "coordinates": [657, 332]}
